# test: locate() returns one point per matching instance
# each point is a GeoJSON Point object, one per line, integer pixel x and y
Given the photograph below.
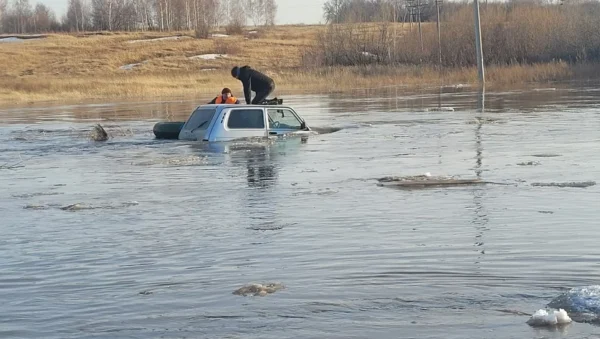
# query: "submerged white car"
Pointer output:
{"type": "Point", "coordinates": [229, 122]}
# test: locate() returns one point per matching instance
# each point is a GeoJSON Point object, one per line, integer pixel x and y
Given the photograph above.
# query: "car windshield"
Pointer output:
{"type": "Point", "coordinates": [200, 119]}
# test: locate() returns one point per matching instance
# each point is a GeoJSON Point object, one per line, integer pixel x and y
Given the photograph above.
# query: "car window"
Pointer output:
{"type": "Point", "coordinates": [200, 119]}
{"type": "Point", "coordinates": [246, 118]}
{"type": "Point", "coordinates": [283, 118]}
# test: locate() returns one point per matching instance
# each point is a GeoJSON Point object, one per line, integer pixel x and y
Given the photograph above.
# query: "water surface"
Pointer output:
{"type": "Point", "coordinates": [164, 231]}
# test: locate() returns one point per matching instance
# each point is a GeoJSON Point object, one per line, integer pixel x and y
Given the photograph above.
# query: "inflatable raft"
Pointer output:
{"type": "Point", "coordinates": [168, 130]}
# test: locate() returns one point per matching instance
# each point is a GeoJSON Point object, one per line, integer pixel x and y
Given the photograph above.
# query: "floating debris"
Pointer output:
{"type": "Point", "coordinates": [483, 121]}
{"type": "Point", "coordinates": [270, 226]}
{"type": "Point", "coordinates": [98, 133]}
{"type": "Point", "coordinates": [145, 293]}
{"type": "Point", "coordinates": [426, 180]}
{"type": "Point", "coordinates": [440, 109]}
{"type": "Point", "coordinates": [75, 207]}
{"type": "Point", "coordinates": [192, 160]}
{"type": "Point", "coordinates": [513, 312]}
{"type": "Point", "coordinates": [529, 163]}
{"type": "Point", "coordinates": [35, 207]}
{"type": "Point", "coordinates": [325, 130]}
{"type": "Point", "coordinates": [546, 212]}
{"type": "Point", "coordinates": [81, 207]}
{"type": "Point", "coordinates": [546, 155]}
{"type": "Point", "coordinates": [583, 184]}
{"type": "Point", "coordinates": [31, 195]}
{"type": "Point", "coordinates": [543, 318]}
{"type": "Point", "coordinates": [258, 289]}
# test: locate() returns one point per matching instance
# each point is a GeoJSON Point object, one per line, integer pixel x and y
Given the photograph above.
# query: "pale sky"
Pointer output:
{"type": "Point", "coordinates": [288, 11]}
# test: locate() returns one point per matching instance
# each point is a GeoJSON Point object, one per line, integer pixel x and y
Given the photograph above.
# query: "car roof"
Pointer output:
{"type": "Point", "coordinates": [238, 106]}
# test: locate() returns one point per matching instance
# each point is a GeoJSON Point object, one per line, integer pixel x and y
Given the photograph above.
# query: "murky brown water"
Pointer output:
{"type": "Point", "coordinates": [142, 238]}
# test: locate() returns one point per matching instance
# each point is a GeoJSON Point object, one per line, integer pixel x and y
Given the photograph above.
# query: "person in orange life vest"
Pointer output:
{"type": "Point", "coordinates": [226, 97]}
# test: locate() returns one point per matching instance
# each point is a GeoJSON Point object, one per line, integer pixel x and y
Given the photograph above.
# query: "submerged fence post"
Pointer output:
{"type": "Point", "coordinates": [480, 67]}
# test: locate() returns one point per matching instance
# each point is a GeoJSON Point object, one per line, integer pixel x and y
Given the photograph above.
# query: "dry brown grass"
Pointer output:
{"type": "Point", "coordinates": [75, 67]}
{"type": "Point", "coordinates": [512, 33]}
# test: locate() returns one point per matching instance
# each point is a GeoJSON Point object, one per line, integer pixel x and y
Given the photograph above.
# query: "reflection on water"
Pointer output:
{"type": "Point", "coordinates": [260, 172]}
{"type": "Point", "coordinates": [145, 238]}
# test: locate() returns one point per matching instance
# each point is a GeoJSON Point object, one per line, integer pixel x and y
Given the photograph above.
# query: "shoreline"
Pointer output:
{"type": "Point", "coordinates": [143, 87]}
{"type": "Point", "coordinates": [68, 68]}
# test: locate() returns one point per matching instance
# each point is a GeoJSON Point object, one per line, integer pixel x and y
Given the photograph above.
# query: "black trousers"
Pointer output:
{"type": "Point", "coordinates": [262, 95]}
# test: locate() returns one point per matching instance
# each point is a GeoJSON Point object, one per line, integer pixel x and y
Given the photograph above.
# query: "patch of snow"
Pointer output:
{"type": "Point", "coordinates": [15, 39]}
{"type": "Point", "coordinates": [208, 56]}
{"type": "Point", "coordinates": [219, 35]}
{"type": "Point", "coordinates": [368, 54]}
{"type": "Point", "coordinates": [253, 32]}
{"type": "Point", "coordinates": [208, 69]}
{"type": "Point", "coordinates": [11, 39]}
{"type": "Point", "coordinates": [129, 67]}
{"type": "Point", "coordinates": [160, 39]}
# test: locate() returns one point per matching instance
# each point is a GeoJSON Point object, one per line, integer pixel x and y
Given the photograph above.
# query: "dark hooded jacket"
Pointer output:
{"type": "Point", "coordinates": [254, 81]}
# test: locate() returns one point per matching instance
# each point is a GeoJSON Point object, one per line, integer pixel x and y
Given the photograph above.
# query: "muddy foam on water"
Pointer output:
{"type": "Point", "coordinates": [259, 290]}
{"type": "Point", "coordinates": [574, 184]}
{"type": "Point", "coordinates": [549, 318]}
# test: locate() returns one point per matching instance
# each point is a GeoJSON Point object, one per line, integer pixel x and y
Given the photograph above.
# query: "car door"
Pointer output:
{"type": "Point", "coordinates": [243, 122]}
{"type": "Point", "coordinates": [283, 120]}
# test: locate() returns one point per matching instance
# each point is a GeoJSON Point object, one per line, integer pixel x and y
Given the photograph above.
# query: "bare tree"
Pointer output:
{"type": "Point", "coordinates": [77, 17]}
{"type": "Point", "coordinates": [270, 12]}
{"type": "Point", "coordinates": [205, 16]}
{"type": "Point", "coordinates": [23, 15]}
{"type": "Point", "coordinates": [164, 13]}
{"type": "Point", "coordinates": [100, 16]}
{"type": "Point", "coordinates": [332, 11]}
{"type": "Point", "coordinates": [115, 15]}
{"type": "Point", "coordinates": [236, 13]}
{"type": "Point", "coordinates": [81, 15]}
{"type": "Point", "coordinates": [255, 11]}
{"type": "Point", "coordinates": [42, 18]}
{"type": "Point", "coordinates": [3, 6]}
{"type": "Point", "coordinates": [144, 14]}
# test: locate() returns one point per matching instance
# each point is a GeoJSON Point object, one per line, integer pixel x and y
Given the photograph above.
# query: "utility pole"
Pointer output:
{"type": "Point", "coordinates": [437, 5]}
{"type": "Point", "coordinates": [479, 50]}
{"type": "Point", "coordinates": [420, 32]}
{"type": "Point", "coordinates": [395, 17]}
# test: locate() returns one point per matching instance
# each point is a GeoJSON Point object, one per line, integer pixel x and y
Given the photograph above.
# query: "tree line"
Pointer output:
{"type": "Point", "coordinates": [362, 11]}
{"type": "Point", "coordinates": [513, 32]}
{"type": "Point", "coordinates": [19, 16]}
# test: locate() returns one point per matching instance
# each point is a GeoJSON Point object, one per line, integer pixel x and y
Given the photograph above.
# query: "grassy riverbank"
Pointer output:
{"type": "Point", "coordinates": [70, 67]}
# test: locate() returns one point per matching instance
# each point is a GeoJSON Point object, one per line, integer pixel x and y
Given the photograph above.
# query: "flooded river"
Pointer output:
{"type": "Point", "coordinates": [143, 238]}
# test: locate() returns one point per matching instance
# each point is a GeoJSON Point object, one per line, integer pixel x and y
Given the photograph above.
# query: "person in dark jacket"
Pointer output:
{"type": "Point", "coordinates": [254, 81]}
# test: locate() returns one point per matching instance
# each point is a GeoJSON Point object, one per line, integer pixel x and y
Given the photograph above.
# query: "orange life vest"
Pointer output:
{"type": "Point", "coordinates": [230, 100]}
